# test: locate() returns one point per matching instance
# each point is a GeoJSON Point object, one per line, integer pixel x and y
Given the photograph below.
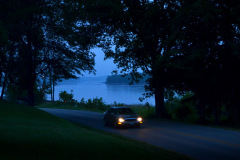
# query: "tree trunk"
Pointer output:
{"type": "Point", "coordinates": [31, 96]}
{"type": "Point", "coordinates": [2, 92]}
{"type": "Point", "coordinates": [158, 86]}
{"type": "Point", "coordinates": [159, 101]}
{"type": "Point", "coordinates": [4, 86]}
{"type": "Point", "coordinates": [31, 83]}
{"type": "Point", "coordinates": [235, 107]}
{"type": "Point", "coordinates": [31, 75]}
{"type": "Point", "coordinates": [53, 90]}
{"type": "Point", "coordinates": [216, 112]}
{"type": "Point", "coordinates": [201, 111]}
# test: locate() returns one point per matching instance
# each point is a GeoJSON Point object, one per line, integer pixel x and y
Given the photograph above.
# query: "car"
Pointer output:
{"type": "Point", "coordinates": [121, 116]}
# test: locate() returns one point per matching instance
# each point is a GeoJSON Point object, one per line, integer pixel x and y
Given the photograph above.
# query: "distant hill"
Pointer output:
{"type": "Point", "coordinates": [119, 79]}
{"type": "Point", "coordinates": [113, 79]}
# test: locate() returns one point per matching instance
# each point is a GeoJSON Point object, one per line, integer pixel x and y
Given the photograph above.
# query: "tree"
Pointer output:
{"type": "Point", "coordinates": [7, 47]}
{"type": "Point", "coordinates": [210, 52]}
{"type": "Point", "coordinates": [185, 45]}
{"type": "Point", "coordinates": [142, 35]}
{"type": "Point", "coordinates": [44, 44]}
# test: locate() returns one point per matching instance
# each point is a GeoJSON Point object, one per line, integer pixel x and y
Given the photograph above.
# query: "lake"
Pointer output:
{"type": "Point", "coordinates": [93, 87]}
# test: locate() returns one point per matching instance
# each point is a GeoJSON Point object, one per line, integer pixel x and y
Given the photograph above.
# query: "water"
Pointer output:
{"type": "Point", "coordinates": [89, 88]}
{"type": "Point", "coordinates": [95, 87]}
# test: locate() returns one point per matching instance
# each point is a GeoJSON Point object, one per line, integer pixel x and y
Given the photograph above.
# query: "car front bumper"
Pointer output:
{"type": "Point", "coordinates": [130, 123]}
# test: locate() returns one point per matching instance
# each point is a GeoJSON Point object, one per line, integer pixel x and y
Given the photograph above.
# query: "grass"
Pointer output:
{"type": "Point", "coordinates": [29, 133]}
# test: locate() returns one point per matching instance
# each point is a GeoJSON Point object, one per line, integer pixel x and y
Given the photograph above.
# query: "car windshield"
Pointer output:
{"type": "Point", "coordinates": [123, 111]}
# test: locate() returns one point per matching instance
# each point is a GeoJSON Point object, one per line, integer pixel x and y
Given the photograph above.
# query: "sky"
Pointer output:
{"type": "Point", "coordinates": [103, 67]}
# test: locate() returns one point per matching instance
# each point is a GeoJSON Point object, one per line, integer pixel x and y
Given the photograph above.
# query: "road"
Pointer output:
{"type": "Point", "coordinates": [198, 142]}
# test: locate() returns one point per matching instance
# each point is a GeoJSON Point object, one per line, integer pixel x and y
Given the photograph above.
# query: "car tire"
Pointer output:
{"type": "Point", "coordinates": [106, 123]}
{"type": "Point", "coordinates": [115, 125]}
{"type": "Point", "coordinates": [138, 126]}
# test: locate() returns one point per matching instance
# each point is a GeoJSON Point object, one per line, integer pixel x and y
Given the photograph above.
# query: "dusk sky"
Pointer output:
{"type": "Point", "coordinates": [103, 67]}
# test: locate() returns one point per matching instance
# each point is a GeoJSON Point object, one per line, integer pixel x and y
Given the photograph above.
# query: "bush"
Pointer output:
{"type": "Point", "coordinates": [40, 96]}
{"type": "Point", "coordinates": [98, 101]}
{"type": "Point", "coordinates": [17, 95]}
{"type": "Point", "coordinates": [118, 104]}
{"type": "Point", "coordinates": [146, 111]}
{"type": "Point", "coordinates": [66, 97]}
{"type": "Point", "coordinates": [171, 108]}
{"type": "Point", "coordinates": [95, 103]}
{"type": "Point", "coordinates": [182, 109]}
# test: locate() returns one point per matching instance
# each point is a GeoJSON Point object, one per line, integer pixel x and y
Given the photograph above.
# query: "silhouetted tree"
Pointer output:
{"type": "Point", "coordinates": [44, 44]}
{"type": "Point", "coordinates": [183, 45]}
{"type": "Point", "coordinates": [141, 33]}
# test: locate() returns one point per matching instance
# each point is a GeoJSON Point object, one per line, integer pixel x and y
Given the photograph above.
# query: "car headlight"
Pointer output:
{"type": "Point", "coordinates": [139, 119]}
{"type": "Point", "coordinates": [121, 120]}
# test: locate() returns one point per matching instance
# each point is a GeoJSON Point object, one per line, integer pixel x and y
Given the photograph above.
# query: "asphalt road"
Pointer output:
{"type": "Point", "coordinates": [198, 142]}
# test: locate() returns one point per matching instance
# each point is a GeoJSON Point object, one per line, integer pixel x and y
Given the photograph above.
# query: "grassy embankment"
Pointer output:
{"type": "Point", "coordinates": [29, 133]}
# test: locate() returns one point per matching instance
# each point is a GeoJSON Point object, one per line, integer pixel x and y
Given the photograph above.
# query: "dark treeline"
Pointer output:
{"type": "Point", "coordinates": [184, 46]}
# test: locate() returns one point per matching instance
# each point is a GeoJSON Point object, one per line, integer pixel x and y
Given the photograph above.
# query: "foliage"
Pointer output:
{"type": "Point", "coordinates": [95, 103]}
{"type": "Point", "coordinates": [118, 104]}
{"type": "Point", "coordinates": [182, 45]}
{"type": "Point", "coordinates": [210, 54]}
{"type": "Point", "coordinates": [67, 101]}
{"type": "Point", "coordinates": [15, 94]}
{"type": "Point", "coordinates": [143, 36]}
{"type": "Point", "coordinates": [40, 96]}
{"type": "Point", "coordinates": [66, 97]}
{"type": "Point", "coordinates": [145, 111]}
{"type": "Point", "coordinates": [183, 109]}
{"type": "Point", "coordinates": [41, 43]}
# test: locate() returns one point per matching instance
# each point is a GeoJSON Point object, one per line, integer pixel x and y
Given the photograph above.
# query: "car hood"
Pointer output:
{"type": "Point", "coordinates": [128, 116]}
